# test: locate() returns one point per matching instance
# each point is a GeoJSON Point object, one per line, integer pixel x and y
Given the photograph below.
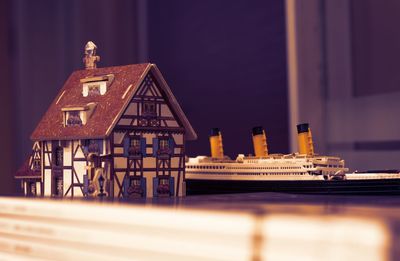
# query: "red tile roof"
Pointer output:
{"type": "Point", "coordinates": [25, 171]}
{"type": "Point", "coordinates": [109, 106]}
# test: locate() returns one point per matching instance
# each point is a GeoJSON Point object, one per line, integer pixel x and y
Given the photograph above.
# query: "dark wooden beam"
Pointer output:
{"type": "Point", "coordinates": [150, 129]}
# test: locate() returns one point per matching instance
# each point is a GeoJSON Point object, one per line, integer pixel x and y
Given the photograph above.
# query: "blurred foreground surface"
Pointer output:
{"type": "Point", "coordinates": [257, 226]}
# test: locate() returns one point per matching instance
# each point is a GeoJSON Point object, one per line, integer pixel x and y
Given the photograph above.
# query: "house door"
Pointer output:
{"type": "Point", "coordinates": [31, 190]}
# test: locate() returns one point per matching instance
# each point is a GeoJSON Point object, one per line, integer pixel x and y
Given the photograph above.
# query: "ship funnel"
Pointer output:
{"type": "Point", "coordinates": [217, 149]}
{"type": "Point", "coordinates": [304, 137]}
{"type": "Point", "coordinates": [260, 142]}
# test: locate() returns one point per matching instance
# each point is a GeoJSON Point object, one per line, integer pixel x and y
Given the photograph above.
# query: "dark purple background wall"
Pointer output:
{"type": "Point", "coordinates": [224, 60]}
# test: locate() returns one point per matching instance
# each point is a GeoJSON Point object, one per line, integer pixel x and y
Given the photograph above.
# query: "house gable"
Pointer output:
{"type": "Point", "coordinates": [150, 108]}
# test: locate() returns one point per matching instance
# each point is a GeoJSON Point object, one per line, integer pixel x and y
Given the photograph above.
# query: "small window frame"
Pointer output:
{"type": "Point", "coordinates": [73, 118]}
{"type": "Point", "coordinates": [149, 108]}
{"type": "Point", "coordinates": [135, 146]}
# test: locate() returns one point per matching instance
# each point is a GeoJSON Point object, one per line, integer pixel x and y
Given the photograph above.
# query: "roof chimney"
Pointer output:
{"type": "Point", "coordinates": [90, 58]}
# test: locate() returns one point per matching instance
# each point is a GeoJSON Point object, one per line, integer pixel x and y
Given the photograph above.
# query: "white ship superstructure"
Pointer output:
{"type": "Point", "coordinates": [304, 165]}
{"type": "Point", "coordinates": [274, 167]}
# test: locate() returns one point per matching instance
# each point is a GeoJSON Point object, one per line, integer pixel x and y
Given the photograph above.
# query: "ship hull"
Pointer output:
{"type": "Point", "coordinates": [371, 186]}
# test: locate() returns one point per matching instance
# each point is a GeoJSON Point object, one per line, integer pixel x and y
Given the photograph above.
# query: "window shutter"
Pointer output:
{"type": "Point", "coordinates": [126, 186]}
{"type": "Point", "coordinates": [126, 145]}
{"type": "Point", "coordinates": [85, 149]}
{"type": "Point", "coordinates": [143, 146]}
{"type": "Point", "coordinates": [100, 145]}
{"type": "Point", "coordinates": [171, 145]}
{"type": "Point", "coordinates": [143, 185]}
{"type": "Point", "coordinates": [172, 186]}
{"type": "Point", "coordinates": [155, 186]}
{"type": "Point", "coordinates": [155, 147]}
{"type": "Point", "coordinates": [85, 184]}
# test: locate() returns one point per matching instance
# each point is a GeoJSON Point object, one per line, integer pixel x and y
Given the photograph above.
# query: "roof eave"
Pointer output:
{"type": "Point", "coordinates": [190, 132]}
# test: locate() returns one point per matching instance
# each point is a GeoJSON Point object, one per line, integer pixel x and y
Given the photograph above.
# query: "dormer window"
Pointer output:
{"type": "Point", "coordinates": [77, 115]}
{"type": "Point", "coordinates": [74, 118]}
{"type": "Point", "coordinates": [97, 85]}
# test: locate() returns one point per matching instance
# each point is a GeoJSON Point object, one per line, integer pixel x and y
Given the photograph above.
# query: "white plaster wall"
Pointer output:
{"type": "Point", "coordinates": [80, 169]}
{"type": "Point", "coordinates": [118, 150]}
{"type": "Point", "coordinates": [67, 181]}
{"type": "Point", "coordinates": [175, 162]}
{"type": "Point", "coordinates": [178, 138]}
{"type": "Point", "coordinates": [67, 154]}
{"type": "Point", "coordinates": [132, 109]}
{"type": "Point", "coordinates": [120, 176]}
{"type": "Point", "coordinates": [79, 153]}
{"type": "Point", "coordinates": [38, 188]}
{"type": "Point", "coordinates": [124, 121]}
{"type": "Point", "coordinates": [47, 183]}
{"type": "Point", "coordinates": [47, 156]}
{"type": "Point", "coordinates": [149, 162]}
{"type": "Point", "coordinates": [172, 124]}
{"type": "Point", "coordinates": [120, 162]}
{"type": "Point", "coordinates": [149, 137]}
{"type": "Point", "coordinates": [118, 137]}
{"type": "Point", "coordinates": [149, 183]}
{"type": "Point", "coordinates": [165, 111]}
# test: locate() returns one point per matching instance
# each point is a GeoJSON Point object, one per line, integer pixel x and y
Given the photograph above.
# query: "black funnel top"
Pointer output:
{"type": "Point", "coordinates": [302, 128]}
{"type": "Point", "coordinates": [258, 130]}
{"type": "Point", "coordinates": [214, 132]}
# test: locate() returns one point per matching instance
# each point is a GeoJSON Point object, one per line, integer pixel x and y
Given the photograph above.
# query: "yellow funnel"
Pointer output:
{"type": "Point", "coordinates": [217, 150]}
{"type": "Point", "coordinates": [260, 142]}
{"type": "Point", "coordinates": [304, 137]}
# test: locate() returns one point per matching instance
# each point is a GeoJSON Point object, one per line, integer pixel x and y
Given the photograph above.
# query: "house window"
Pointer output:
{"type": "Point", "coordinates": [93, 89]}
{"type": "Point", "coordinates": [163, 187]}
{"type": "Point", "coordinates": [135, 188]}
{"type": "Point", "coordinates": [97, 85]}
{"type": "Point", "coordinates": [58, 156]}
{"type": "Point", "coordinates": [135, 146]}
{"type": "Point", "coordinates": [73, 118]}
{"type": "Point", "coordinates": [163, 146]}
{"type": "Point", "coordinates": [36, 165]}
{"type": "Point", "coordinates": [78, 115]}
{"type": "Point", "coordinates": [149, 108]}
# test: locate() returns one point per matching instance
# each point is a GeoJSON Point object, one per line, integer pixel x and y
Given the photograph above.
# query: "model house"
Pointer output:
{"type": "Point", "coordinates": [115, 131]}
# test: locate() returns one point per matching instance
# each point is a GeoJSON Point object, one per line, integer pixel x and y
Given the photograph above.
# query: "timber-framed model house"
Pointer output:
{"type": "Point", "coordinates": [115, 131]}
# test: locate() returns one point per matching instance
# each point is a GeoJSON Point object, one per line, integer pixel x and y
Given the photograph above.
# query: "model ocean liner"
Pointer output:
{"type": "Point", "coordinates": [302, 172]}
